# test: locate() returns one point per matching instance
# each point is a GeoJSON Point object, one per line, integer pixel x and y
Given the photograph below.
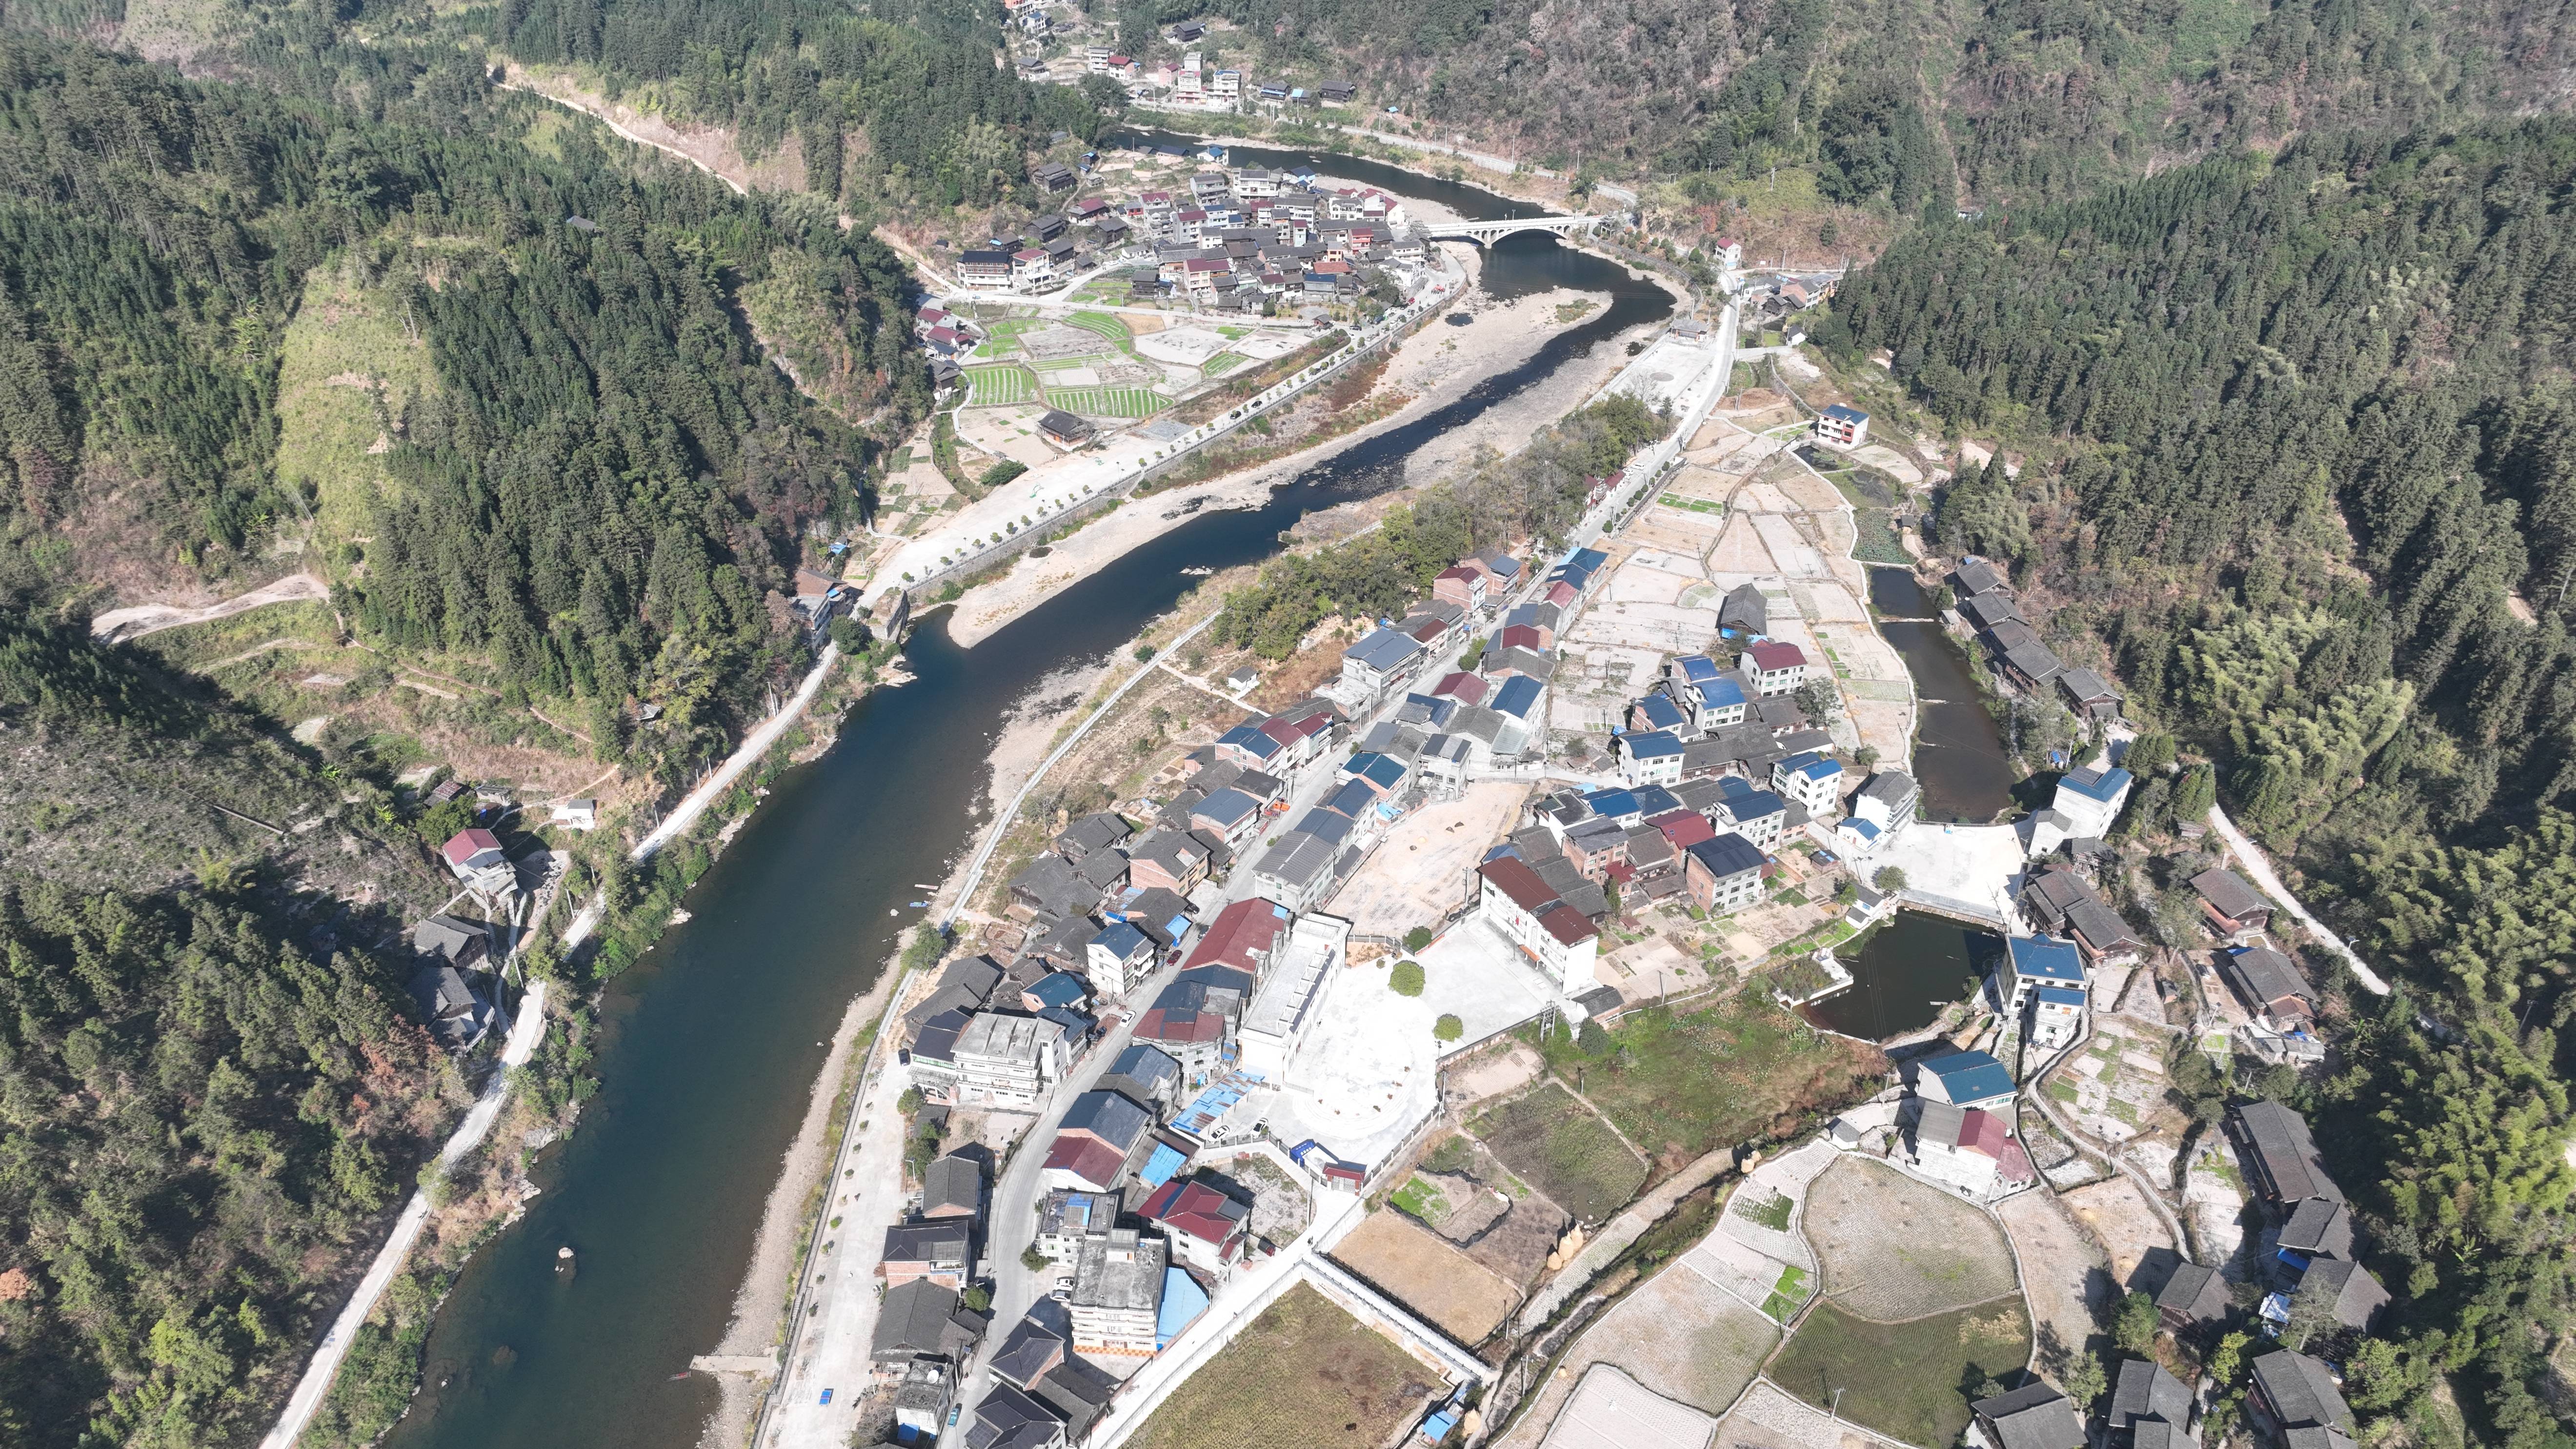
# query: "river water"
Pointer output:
{"type": "Point", "coordinates": [711, 1044]}
{"type": "Point", "coordinates": [1959, 755]}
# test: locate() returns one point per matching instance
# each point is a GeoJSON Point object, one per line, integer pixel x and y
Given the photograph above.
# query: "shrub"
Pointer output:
{"type": "Point", "coordinates": [1448, 1028]}
{"type": "Point", "coordinates": [1406, 978]}
{"type": "Point", "coordinates": [1419, 938]}
{"type": "Point", "coordinates": [1003, 472]}
{"type": "Point", "coordinates": [1888, 880]}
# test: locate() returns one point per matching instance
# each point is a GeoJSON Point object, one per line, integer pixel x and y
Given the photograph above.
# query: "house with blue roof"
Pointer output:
{"type": "Point", "coordinates": [1722, 873]}
{"type": "Point", "coordinates": [2031, 962]}
{"type": "Point", "coordinates": [1841, 427]}
{"type": "Point", "coordinates": [1620, 807]}
{"type": "Point", "coordinates": [1714, 695]}
{"type": "Point", "coordinates": [1658, 712]}
{"type": "Point", "coordinates": [1382, 773]}
{"type": "Point", "coordinates": [1590, 559]}
{"type": "Point", "coordinates": [1758, 815]}
{"type": "Point", "coordinates": [1811, 779]}
{"type": "Point", "coordinates": [1232, 814]}
{"type": "Point", "coordinates": [1356, 800]}
{"type": "Point", "coordinates": [1056, 988]}
{"type": "Point", "coordinates": [1650, 757]}
{"type": "Point", "coordinates": [1654, 800]}
{"type": "Point", "coordinates": [2056, 1016]}
{"type": "Point", "coordinates": [2090, 800]}
{"type": "Point", "coordinates": [1378, 663]}
{"type": "Point", "coordinates": [1247, 746]}
{"type": "Point", "coordinates": [1117, 958]}
{"type": "Point", "coordinates": [1962, 1079]}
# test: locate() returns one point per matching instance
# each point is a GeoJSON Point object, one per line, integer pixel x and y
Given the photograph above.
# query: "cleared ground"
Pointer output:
{"type": "Point", "coordinates": [1894, 1248]}
{"type": "Point", "coordinates": [1906, 1380]}
{"type": "Point", "coordinates": [1304, 1374]}
{"type": "Point", "coordinates": [1419, 871]}
{"type": "Point", "coordinates": [1684, 1083]}
{"type": "Point", "coordinates": [1770, 1419]}
{"type": "Point", "coordinates": [2119, 1216]}
{"type": "Point", "coordinates": [2070, 1281]}
{"type": "Point", "coordinates": [1460, 1296]}
{"type": "Point", "coordinates": [1683, 1337]}
{"type": "Point", "coordinates": [1609, 1407]}
{"type": "Point", "coordinates": [1564, 1149]}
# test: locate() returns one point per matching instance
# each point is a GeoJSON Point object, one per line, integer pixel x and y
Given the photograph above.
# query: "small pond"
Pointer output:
{"type": "Point", "coordinates": [1904, 970]}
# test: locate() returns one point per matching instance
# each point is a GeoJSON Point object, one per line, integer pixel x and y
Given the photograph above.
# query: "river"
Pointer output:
{"type": "Point", "coordinates": [711, 1044]}
{"type": "Point", "coordinates": [1959, 755]}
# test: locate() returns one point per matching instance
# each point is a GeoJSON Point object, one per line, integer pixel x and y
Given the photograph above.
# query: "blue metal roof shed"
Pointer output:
{"type": "Point", "coordinates": [1183, 1302]}
{"type": "Point", "coordinates": [2046, 959]}
{"type": "Point", "coordinates": [1966, 1078]}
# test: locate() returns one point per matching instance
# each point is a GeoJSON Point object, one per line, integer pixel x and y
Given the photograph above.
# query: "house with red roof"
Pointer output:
{"type": "Point", "coordinates": [1206, 1228]}
{"type": "Point", "coordinates": [472, 851]}
{"type": "Point", "coordinates": [1244, 936]}
{"type": "Point", "coordinates": [1774, 667]}
{"type": "Point", "coordinates": [1530, 915]}
{"type": "Point", "coordinates": [1082, 1163]}
{"type": "Point", "coordinates": [1463, 586]}
{"type": "Point", "coordinates": [1967, 1147]}
{"type": "Point", "coordinates": [1461, 686]}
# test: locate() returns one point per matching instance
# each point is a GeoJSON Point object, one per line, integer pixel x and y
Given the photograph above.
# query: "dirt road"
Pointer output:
{"type": "Point", "coordinates": [117, 626]}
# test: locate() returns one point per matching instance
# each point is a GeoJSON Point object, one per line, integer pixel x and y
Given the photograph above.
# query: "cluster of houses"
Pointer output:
{"type": "Point", "coordinates": [2296, 1402]}
{"type": "Point", "coordinates": [1989, 605]}
{"type": "Point", "coordinates": [1141, 1241]}
{"type": "Point", "coordinates": [2280, 1002]}
{"type": "Point", "coordinates": [1194, 85]}
{"type": "Point", "coordinates": [1234, 240]}
{"type": "Point", "coordinates": [1438, 734]}
{"type": "Point", "coordinates": [453, 982]}
{"type": "Point", "coordinates": [2295, 1399]}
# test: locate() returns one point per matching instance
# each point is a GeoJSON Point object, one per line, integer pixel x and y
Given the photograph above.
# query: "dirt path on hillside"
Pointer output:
{"type": "Point", "coordinates": [119, 626]}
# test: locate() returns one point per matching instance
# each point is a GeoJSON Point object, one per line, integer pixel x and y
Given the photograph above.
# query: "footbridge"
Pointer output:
{"type": "Point", "coordinates": [1486, 233]}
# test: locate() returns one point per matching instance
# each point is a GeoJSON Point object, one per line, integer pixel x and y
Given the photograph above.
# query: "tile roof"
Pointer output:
{"type": "Point", "coordinates": [1726, 854]}
{"type": "Point", "coordinates": [2285, 1154]}
{"type": "Point", "coordinates": [1241, 934]}
{"type": "Point", "coordinates": [1088, 1159]}
{"type": "Point", "coordinates": [2227, 891]}
{"type": "Point", "coordinates": [2301, 1391]}
{"type": "Point", "coordinates": [1196, 1209]}
{"type": "Point", "coordinates": [2034, 1416]}
{"type": "Point", "coordinates": [1109, 1116]}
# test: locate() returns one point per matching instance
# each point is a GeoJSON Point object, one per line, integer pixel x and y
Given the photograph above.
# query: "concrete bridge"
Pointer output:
{"type": "Point", "coordinates": [1486, 233]}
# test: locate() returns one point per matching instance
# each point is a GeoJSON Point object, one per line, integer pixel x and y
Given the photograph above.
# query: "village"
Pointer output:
{"type": "Point", "coordinates": [1368, 1032]}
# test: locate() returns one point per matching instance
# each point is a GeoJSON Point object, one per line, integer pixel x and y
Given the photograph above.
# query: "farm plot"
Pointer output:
{"type": "Point", "coordinates": [1751, 1277]}
{"type": "Point", "coordinates": [1102, 324]}
{"type": "Point", "coordinates": [1894, 1248]}
{"type": "Point", "coordinates": [1685, 1083]}
{"type": "Point", "coordinates": [1106, 402]}
{"type": "Point", "coordinates": [999, 386]}
{"type": "Point", "coordinates": [1222, 363]}
{"type": "Point", "coordinates": [1683, 1337]}
{"type": "Point", "coordinates": [1905, 1380]}
{"type": "Point", "coordinates": [1303, 1374]}
{"type": "Point", "coordinates": [1564, 1149]}
{"type": "Point", "coordinates": [1460, 1296]}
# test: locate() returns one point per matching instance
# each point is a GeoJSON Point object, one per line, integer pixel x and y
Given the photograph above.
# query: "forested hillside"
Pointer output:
{"type": "Point", "coordinates": [2321, 501]}
{"type": "Point", "coordinates": [2298, 464]}
{"type": "Point", "coordinates": [2012, 101]}
{"type": "Point", "coordinates": [603, 490]}
{"type": "Point", "coordinates": [900, 102]}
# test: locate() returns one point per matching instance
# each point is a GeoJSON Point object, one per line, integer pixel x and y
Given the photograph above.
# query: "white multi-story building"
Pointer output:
{"type": "Point", "coordinates": [1810, 779]}
{"type": "Point", "coordinates": [1531, 916]}
{"type": "Point", "coordinates": [1117, 1293]}
{"type": "Point", "coordinates": [1006, 1059]}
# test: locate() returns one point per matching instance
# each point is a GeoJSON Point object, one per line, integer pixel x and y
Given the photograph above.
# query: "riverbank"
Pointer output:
{"type": "Point", "coordinates": [1436, 366]}
{"type": "Point", "coordinates": [757, 1325]}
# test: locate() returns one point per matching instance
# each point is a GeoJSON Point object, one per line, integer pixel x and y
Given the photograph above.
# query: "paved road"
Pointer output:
{"type": "Point", "coordinates": [2258, 865]}
{"type": "Point", "coordinates": [525, 1033]}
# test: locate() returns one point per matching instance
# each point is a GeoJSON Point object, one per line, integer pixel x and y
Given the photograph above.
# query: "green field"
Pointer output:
{"type": "Point", "coordinates": [1066, 364]}
{"type": "Point", "coordinates": [1786, 1294]}
{"type": "Point", "coordinates": [1695, 505]}
{"type": "Point", "coordinates": [1564, 1149]}
{"type": "Point", "coordinates": [1906, 1380]}
{"type": "Point", "coordinates": [1222, 362]}
{"type": "Point", "coordinates": [1104, 323]}
{"type": "Point", "coordinates": [1105, 402]}
{"type": "Point", "coordinates": [992, 386]}
{"type": "Point", "coordinates": [1303, 1373]}
{"type": "Point", "coordinates": [1419, 1198]}
{"type": "Point", "coordinates": [1682, 1084]}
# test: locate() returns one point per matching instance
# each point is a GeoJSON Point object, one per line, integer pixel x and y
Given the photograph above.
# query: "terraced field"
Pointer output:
{"type": "Point", "coordinates": [994, 386]}
{"type": "Point", "coordinates": [1106, 324]}
{"type": "Point", "coordinates": [1106, 402]}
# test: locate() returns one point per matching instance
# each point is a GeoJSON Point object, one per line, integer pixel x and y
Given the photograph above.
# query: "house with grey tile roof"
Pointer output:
{"type": "Point", "coordinates": [2034, 1416]}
